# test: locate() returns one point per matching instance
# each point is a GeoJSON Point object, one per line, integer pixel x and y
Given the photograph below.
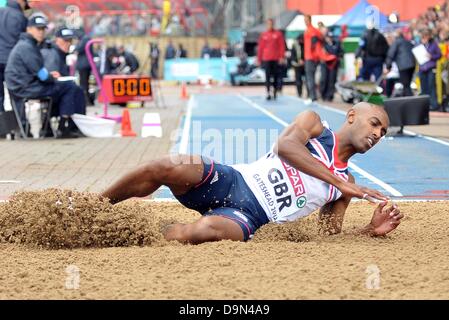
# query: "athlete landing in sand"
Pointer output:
{"type": "Point", "coordinates": [306, 170]}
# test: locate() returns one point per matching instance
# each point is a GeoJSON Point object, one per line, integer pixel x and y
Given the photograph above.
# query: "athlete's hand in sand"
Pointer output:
{"type": "Point", "coordinates": [353, 190]}
{"type": "Point", "coordinates": [385, 219]}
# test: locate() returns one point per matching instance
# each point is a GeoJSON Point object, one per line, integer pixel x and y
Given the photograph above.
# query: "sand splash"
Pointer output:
{"type": "Point", "coordinates": [57, 219]}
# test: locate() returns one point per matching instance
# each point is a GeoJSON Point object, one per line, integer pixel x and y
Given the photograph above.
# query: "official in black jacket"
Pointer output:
{"type": "Point", "coordinates": [83, 66]}
{"type": "Point", "coordinates": [12, 23]}
{"type": "Point", "coordinates": [131, 61]}
{"type": "Point", "coordinates": [27, 77]}
{"type": "Point", "coordinates": [55, 53]}
{"type": "Point", "coordinates": [373, 51]}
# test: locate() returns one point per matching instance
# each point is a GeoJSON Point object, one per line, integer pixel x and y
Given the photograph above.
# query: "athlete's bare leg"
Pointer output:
{"type": "Point", "coordinates": [206, 229]}
{"type": "Point", "coordinates": [179, 173]}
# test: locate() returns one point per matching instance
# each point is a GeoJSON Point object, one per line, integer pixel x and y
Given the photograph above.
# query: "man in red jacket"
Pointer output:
{"type": "Point", "coordinates": [313, 47]}
{"type": "Point", "coordinates": [270, 53]}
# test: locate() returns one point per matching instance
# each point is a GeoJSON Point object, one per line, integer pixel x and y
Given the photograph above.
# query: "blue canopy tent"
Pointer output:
{"type": "Point", "coordinates": [357, 17]}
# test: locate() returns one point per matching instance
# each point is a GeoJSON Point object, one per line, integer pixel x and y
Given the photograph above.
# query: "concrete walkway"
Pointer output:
{"type": "Point", "coordinates": [86, 164]}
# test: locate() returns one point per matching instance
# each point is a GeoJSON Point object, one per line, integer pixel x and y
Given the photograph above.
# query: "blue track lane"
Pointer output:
{"type": "Point", "coordinates": [416, 167]}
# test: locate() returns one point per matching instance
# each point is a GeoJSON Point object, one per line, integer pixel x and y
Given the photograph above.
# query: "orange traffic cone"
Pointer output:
{"type": "Point", "coordinates": [127, 131]}
{"type": "Point", "coordinates": [184, 94]}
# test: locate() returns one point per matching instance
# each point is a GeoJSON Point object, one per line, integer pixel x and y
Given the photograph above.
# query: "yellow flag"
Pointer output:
{"type": "Point", "coordinates": [166, 9]}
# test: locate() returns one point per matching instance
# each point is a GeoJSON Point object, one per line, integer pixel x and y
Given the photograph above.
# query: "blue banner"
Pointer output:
{"type": "Point", "coordinates": [217, 69]}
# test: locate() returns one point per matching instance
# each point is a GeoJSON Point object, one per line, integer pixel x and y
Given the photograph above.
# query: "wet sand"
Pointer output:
{"type": "Point", "coordinates": [48, 239]}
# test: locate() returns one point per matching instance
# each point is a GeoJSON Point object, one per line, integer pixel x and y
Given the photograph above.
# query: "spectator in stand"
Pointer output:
{"type": "Point", "coordinates": [271, 52]}
{"type": "Point", "coordinates": [206, 51]}
{"type": "Point", "coordinates": [313, 46]}
{"type": "Point", "coordinates": [170, 51]}
{"type": "Point", "coordinates": [215, 52]}
{"type": "Point", "coordinates": [226, 50]}
{"type": "Point", "coordinates": [427, 71]}
{"type": "Point", "coordinates": [181, 52]}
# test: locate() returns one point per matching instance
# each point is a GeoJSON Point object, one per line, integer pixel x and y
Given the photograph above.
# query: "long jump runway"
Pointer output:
{"type": "Point", "coordinates": [238, 128]}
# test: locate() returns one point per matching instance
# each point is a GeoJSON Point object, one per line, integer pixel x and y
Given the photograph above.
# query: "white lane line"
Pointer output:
{"type": "Point", "coordinates": [356, 168]}
{"type": "Point", "coordinates": [186, 129]}
{"type": "Point", "coordinates": [412, 133]}
{"type": "Point", "coordinates": [315, 104]}
{"type": "Point", "coordinates": [377, 181]}
{"type": "Point", "coordinates": [263, 110]}
{"type": "Point", "coordinates": [9, 181]}
{"type": "Point", "coordinates": [445, 143]}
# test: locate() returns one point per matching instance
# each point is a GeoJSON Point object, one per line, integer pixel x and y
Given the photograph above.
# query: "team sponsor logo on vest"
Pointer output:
{"type": "Point", "coordinates": [295, 179]}
{"type": "Point", "coordinates": [301, 202]}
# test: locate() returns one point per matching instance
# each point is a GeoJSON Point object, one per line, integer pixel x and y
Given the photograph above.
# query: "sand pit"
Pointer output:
{"type": "Point", "coordinates": [118, 252]}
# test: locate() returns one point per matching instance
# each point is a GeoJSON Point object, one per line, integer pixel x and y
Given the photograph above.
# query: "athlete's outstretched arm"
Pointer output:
{"type": "Point", "coordinates": [291, 147]}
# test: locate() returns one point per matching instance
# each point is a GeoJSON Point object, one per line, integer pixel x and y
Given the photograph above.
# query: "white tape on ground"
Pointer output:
{"type": "Point", "coordinates": [359, 170]}
{"type": "Point", "coordinates": [445, 143]}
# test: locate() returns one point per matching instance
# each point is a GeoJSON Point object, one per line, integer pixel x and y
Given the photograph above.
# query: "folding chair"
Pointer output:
{"type": "Point", "coordinates": [19, 108]}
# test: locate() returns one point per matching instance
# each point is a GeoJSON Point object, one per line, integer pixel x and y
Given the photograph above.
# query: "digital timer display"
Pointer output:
{"type": "Point", "coordinates": [131, 87]}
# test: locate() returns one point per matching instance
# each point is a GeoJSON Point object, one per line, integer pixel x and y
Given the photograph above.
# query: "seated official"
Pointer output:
{"type": "Point", "coordinates": [55, 52]}
{"type": "Point", "coordinates": [243, 68]}
{"type": "Point", "coordinates": [27, 77]}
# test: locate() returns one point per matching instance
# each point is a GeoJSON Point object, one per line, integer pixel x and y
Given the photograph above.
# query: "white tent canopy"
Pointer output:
{"type": "Point", "coordinates": [297, 26]}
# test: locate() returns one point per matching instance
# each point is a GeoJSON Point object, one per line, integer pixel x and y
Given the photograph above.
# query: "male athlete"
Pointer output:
{"type": "Point", "coordinates": [306, 170]}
